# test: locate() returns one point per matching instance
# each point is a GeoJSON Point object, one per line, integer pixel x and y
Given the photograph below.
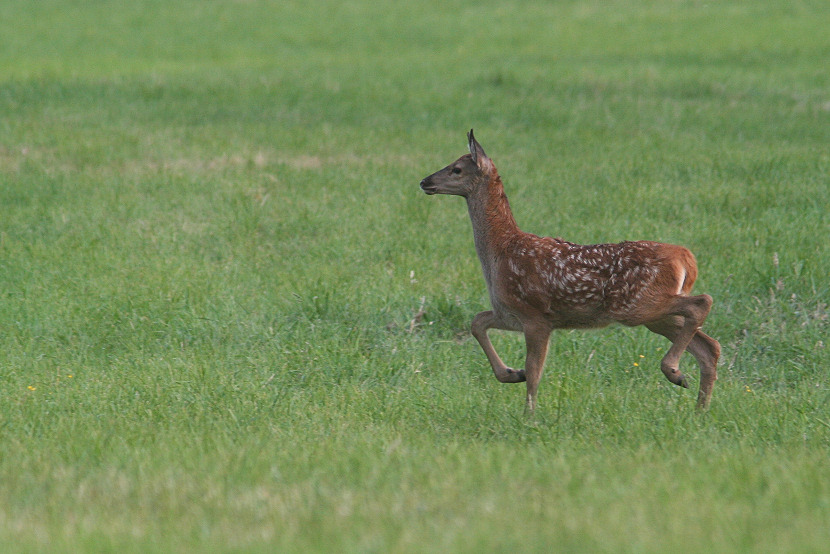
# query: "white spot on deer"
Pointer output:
{"type": "Point", "coordinates": [514, 267]}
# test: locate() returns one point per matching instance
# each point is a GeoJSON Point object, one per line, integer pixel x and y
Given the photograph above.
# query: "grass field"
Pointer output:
{"type": "Point", "coordinates": [213, 246]}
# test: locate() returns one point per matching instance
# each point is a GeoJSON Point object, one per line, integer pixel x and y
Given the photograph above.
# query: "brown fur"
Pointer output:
{"type": "Point", "coordinates": [538, 284]}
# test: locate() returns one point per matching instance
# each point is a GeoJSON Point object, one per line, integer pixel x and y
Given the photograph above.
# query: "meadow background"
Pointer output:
{"type": "Point", "coordinates": [213, 250]}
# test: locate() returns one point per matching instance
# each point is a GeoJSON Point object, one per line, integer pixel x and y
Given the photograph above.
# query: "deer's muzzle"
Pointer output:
{"type": "Point", "coordinates": [428, 187]}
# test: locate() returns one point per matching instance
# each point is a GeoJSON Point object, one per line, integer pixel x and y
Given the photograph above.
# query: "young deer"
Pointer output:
{"type": "Point", "coordinates": [538, 284]}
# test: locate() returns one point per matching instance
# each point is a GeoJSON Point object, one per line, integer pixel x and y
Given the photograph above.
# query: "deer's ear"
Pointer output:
{"type": "Point", "coordinates": [476, 151]}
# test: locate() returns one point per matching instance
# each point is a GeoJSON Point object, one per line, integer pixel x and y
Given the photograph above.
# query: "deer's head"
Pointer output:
{"type": "Point", "coordinates": [464, 175]}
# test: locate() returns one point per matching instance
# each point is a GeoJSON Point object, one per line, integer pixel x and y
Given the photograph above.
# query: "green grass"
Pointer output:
{"type": "Point", "coordinates": [212, 245]}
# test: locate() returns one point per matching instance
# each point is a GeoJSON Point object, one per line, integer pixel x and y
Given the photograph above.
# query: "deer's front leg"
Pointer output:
{"type": "Point", "coordinates": [481, 323]}
{"type": "Point", "coordinates": [536, 339]}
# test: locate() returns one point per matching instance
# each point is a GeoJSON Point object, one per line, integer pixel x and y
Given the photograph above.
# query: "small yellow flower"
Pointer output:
{"type": "Point", "coordinates": [636, 364]}
{"type": "Point", "coordinates": [69, 377]}
{"type": "Point", "coordinates": [32, 388]}
{"type": "Point", "coordinates": [642, 355]}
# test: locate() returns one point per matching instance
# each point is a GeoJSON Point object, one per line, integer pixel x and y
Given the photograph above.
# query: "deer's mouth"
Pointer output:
{"type": "Point", "coordinates": [428, 188]}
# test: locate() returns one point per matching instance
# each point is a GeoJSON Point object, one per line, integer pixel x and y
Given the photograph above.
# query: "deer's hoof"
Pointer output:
{"type": "Point", "coordinates": [673, 374]}
{"type": "Point", "coordinates": [515, 375]}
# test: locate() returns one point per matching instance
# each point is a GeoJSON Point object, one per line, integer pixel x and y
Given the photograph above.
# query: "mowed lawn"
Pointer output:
{"type": "Point", "coordinates": [231, 321]}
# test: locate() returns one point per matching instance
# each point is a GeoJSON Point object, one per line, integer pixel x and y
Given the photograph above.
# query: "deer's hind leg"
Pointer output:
{"type": "Point", "coordinates": [707, 351]}
{"type": "Point", "coordinates": [489, 320]}
{"type": "Point", "coordinates": [682, 328]}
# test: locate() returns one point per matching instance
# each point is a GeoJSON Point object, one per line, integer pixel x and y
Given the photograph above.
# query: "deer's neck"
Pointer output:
{"type": "Point", "coordinates": [493, 222]}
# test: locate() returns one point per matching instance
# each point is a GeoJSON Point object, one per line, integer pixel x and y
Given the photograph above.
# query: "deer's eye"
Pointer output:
{"type": "Point", "coordinates": [456, 170]}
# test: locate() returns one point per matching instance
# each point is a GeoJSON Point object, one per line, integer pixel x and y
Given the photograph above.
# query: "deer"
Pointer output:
{"type": "Point", "coordinates": [539, 284]}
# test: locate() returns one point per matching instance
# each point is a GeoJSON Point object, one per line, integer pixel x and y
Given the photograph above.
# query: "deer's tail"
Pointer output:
{"type": "Point", "coordinates": [687, 271]}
